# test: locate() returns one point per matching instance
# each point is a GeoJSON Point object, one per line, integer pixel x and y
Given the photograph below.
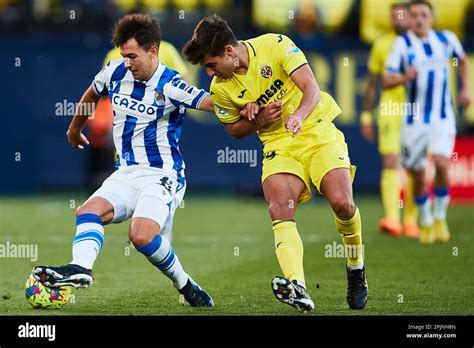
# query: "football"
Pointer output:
{"type": "Point", "coordinates": [42, 297]}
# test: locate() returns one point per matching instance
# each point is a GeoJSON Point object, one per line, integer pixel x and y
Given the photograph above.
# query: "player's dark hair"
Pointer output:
{"type": "Point", "coordinates": [210, 37]}
{"type": "Point", "coordinates": [142, 27]}
{"type": "Point", "coordinates": [421, 2]}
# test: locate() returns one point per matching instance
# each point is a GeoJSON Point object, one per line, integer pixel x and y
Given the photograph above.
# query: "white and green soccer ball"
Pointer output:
{"type": "Point", "coordinates": [43, 297]}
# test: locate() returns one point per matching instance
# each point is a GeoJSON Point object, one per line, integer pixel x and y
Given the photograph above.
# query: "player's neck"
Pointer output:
{"type": "Point", "coordinates": [399, 31]}
{"type": "Point", "coordinates": [156, 63]}
{"type": "Point", "coordinates": [243, 59]}
{"type": "Point", "coordinates": [423, 35]}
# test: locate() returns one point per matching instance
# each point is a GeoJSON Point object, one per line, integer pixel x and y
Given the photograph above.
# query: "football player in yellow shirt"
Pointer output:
{"type": "Point", "coordinates": [265, 85]}
{"type": "Point", "coordinates": [389, 124]}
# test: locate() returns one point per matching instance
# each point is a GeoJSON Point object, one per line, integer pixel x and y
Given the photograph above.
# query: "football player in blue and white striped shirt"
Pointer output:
{"type": "Point", "coordinates": [420, 59]}
{"type": "Point", "coordinates": [149, 102]}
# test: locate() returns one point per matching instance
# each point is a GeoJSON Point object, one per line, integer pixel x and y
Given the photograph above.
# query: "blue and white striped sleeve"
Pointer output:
{"type": "Point", "coordinates": [454, 44]}
{"type": "Point", "coordinates": [182, 93]}
{"type": "Point", "coordinates": [396, 60]}
{"type": "Point", "coordinates": [101, 81]}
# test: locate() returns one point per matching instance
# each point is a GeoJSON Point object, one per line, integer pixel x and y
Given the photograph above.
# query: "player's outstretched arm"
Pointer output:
{"type": "Point", "coordinates": [304, 79]}
{"type": "Point", "coordinates": [366, 125]}
{"type": "Point", "coordinates": [393, 80]}
{"type": "Point", "coordinates": [74, 134]}
{"type": "Point", "coordinates": [206, 105]}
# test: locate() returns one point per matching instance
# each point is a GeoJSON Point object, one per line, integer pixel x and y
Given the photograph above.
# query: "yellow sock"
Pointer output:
{"type": "Point", "coordinates": [351, 233]}
{"type": "Point", "coordinates": [289, 249]}
{"type": "Point", "coordinates": [410, 214]}
{"type": "Point", "coordinates": [390, 189]}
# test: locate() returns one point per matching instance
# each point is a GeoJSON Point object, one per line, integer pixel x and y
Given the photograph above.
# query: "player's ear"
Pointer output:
{"type": "Point", "coordinates": [154, 50]}
{"type": "Point", "coordinates": [229, 50]}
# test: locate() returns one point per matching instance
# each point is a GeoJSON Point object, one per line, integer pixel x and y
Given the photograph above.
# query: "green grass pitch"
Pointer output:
{"type": "Point", "coordinates": [226, 245]}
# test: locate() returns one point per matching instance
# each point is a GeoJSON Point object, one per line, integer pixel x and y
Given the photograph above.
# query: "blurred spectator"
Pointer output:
{"type": "Point", "coordinates": [307, 33]}
{"type": "Point", "coordinates": [185, 5]}
{"type": "Point", "coordinates": [153, 6]}
{"type": "Point", "coordinates": [216, 4]}
{"type": "Point", "coordinates": [99, 15]}
{"type": "Point", "coordinates": [277, 15]}
{"type": "Point", "coordinates": [450, 15]}
{"type": "Point", "coordinates": [100, 161]}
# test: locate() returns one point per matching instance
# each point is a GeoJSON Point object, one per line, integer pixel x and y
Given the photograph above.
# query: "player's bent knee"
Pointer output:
{"type": "Point", "coordinates": [85, 209]}
{"type": "Point", "coordinates": [97, 206]}
{"type": "Point", "coordinates": [391, 161]}
{"type": "Point", "coordinates": [281, 209]}
{"type": "Point", "coordinates": [441, 164]}
{"type": "Point", "coordinates": [142, 231]}
{"type": "Point", "coordinates": [343, 207]}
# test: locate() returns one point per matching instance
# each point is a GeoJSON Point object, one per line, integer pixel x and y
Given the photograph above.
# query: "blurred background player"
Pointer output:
{"type": "Point", "coordinates": [389, 118]}
{"type": "Point", "coordinates": [149, 101]}
{"type": "Point", "coordinates": [420, 59]}
{"type": "Point", "coordinates": [307, 31]}
{"type": "Point", "coordinates": [268, 81]}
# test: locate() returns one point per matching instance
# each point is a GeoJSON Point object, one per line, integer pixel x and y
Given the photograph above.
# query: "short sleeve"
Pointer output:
{"type": "Point", "coordinates": [101, 81]}
{"type": "Point", "coordinates": [182, 93]}
{"type": "Point", "coordinates": [395, 61]}
{"type": "Point", "coordinates": [224, 109]}
{"type": "Point", "coordinates": [290, 57]}
{"type": "Point", "coordinates": [454, 44]}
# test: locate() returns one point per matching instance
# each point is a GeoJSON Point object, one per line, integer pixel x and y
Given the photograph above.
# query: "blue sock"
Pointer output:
{"type": "Point", "coordinates": [160, 253]}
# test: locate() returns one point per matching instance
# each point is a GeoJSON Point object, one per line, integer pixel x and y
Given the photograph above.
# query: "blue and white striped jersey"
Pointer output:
{"type": "Point", "coordinates": [148, 115]}
{"type": "Point", "coordinates": [428, 94]}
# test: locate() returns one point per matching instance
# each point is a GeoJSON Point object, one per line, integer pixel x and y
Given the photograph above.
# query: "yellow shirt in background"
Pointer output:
{"type": "Point", "coordinates": [391, 99]}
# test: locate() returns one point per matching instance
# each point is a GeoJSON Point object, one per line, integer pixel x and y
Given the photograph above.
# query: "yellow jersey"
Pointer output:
{"type": "Point", "coordinates": [169, 56]}
{"type": "Point", "coordinates": [378, 55]}
{"type": "Point", "coordinates": [272, 60]}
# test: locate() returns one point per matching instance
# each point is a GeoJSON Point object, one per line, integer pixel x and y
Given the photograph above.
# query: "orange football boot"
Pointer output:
{"type": "Point", "coordinates": [390, 226]}
{"type": "Point", "coordinates": [411, 229]}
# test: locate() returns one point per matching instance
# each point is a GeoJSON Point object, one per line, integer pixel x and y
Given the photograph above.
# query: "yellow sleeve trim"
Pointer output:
{"type": "Point", "coordinates": [292, 71]}
{"type": "Point", "coordinates": [229, 119]}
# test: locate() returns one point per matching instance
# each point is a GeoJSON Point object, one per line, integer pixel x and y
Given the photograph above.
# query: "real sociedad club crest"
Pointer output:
{"type": "Point", "coordinates": [266, 71]}
{"type": "Point", "coordinates": [159, 97]}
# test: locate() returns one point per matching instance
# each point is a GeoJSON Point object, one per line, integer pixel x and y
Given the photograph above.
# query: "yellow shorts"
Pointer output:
{"type": "Point", "coordinates": [309, 155]}
{"type": "Point", "coordinates": [389, 134]}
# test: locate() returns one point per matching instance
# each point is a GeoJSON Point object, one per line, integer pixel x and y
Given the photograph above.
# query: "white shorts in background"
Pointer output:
{"type": "Point", "coordinates": [143, 192]}
{"type": "Point", "coordinates": [420, 140]}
